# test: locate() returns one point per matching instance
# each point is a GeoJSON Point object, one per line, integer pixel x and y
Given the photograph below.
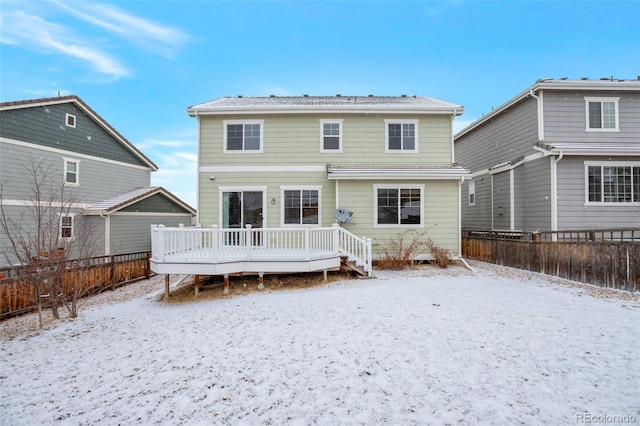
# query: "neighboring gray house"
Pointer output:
{"type": "Point", "coordinates": [107, 177]}
{"type": "Point", "coordinates": [563, 154]}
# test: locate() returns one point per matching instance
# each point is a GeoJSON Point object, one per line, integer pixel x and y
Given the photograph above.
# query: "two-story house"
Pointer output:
{"type": "Point", "coordinates": [63, 148]}
{"type": "Point", "coordinates": [291, 161]}
{"type": "Point", "coordinates": [561, 155]}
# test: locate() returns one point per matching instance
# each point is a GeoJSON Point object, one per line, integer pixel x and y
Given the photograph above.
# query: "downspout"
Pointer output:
{"type": "Point", "coordinates": [512, 200]}
{"type": "Point", "coordinates": [554, 191]}
{"type": "Point", "coordinates": [107, 234]}
{"type": "Point", "coordinates": [198, 172]}
{"type": "Point", "coordinates": [453, 150]}
{"type": "Point", "coordinates": [540, 101]}
{"type": "Point", "coordinates": [464, 262]}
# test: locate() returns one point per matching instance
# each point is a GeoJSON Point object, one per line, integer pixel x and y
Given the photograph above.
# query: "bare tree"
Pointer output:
{"type": "Point", "coordinates": [48, 231]}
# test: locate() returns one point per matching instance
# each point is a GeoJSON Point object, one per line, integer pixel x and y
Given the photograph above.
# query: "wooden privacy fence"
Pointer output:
{"type": "Point", "coordinates": [607, 258]}
{"type": "Point", "coordinates": [18, 293]}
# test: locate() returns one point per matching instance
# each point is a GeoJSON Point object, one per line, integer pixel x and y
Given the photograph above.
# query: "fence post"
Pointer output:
{"type": "Point", "coordinates": [112, 266]}
{"type": "Point", "coordinates": [147, 265]}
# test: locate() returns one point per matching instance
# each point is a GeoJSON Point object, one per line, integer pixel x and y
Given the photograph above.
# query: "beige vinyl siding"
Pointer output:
{"type": "Point", "coordinates": [209, 193]}
{"type": "Point", "coordinates": [440, 198]}
{"type": "Point", "coordinates": [440, 212]}
{"type": "Point", "coordinates": [290, 139]}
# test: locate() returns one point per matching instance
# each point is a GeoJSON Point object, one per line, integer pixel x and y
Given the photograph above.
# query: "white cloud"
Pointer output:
{"type": "Point", "coordinates": [143, 33]}
{"type": "Point", "coordinates": [33, 32]}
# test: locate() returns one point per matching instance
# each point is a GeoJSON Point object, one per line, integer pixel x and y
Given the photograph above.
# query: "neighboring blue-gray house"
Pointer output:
{"type": "Point", "coordinates": [563, 154]}
{"type": "Point", "coordinates": [104, 174]}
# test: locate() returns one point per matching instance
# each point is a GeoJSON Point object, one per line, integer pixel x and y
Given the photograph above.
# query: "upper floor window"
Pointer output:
{"type": "Point", "coordinates": [472, 193]}
{"type": "Point", "coordinates": [398, 205]}
{"type": "Point", "coordinates": [71, 172]}
{"type": "Point", "coordinates": [243, 136]}
{"type": "Point", "coordinates": [401, 135]}
{"type": "Point", "coordinates": [70, 120]}
{"type": "Point", "coordinates": [331, 135]}
{"type": "Point", "coordinates": [602, 114]}
{"type": "Point", "coordinates": [301, 205]}
{"type": "Point", "coordinates": [616, 182]}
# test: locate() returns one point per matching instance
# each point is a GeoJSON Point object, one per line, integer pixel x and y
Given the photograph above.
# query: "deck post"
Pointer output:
{"type": "Point", "coordinates": [369, 258]}
{"type": "Point", "coordinates": [261, 281]}
{"type": "Point", "coordinates": [307, 244]}
{"type": "Point", "coordinates": [226, 284]}
{"type": "Point", "coordinates": [160, 243]}
{"type": "Point", "coordinates": [166, 287]}
{"type": "Point", "coordinates": [248, 238]}
{"type": "Point", "coordinates": [196, 285]}
{"type": "Point", "coordinates": [214, 243]}
{"type": "Point", "coordinates": [324, 276]}
{"type": "Point", "coordinates": [336, 237]}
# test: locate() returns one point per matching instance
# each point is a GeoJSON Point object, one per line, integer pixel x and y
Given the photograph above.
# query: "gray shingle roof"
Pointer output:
{"type": "Point", "coordinates": [118, 202]}
{"type": "Point", "coordinates": [320, 103]}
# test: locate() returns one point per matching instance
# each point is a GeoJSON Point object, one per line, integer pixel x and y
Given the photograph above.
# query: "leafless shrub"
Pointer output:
{"type": "Point", "coordinates": [441, 257]}
{"type": "Point", "coordinates": [400, 252]}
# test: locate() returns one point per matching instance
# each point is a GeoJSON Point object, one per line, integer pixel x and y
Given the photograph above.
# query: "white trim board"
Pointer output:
{"type": "Point", "coordinates": [261, 169]}
{"type": "Point", "coordinates": [71, 153]}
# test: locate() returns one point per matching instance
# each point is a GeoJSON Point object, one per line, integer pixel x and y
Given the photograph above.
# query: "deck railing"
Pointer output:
{"type": "Point", "coordinates": [213, 245]}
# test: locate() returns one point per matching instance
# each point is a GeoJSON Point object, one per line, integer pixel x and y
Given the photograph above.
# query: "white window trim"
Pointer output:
{"type": "Point", "coordinates": [472, 191]}
{"type": "Point", "coordinates": [66, 120]}
{"type": "Point", "coordinates": [73, 226]}
{"type": "Point", "coordinates": [398, 187]}
{"type": "Point", "coordinates": [600, 164]}
{"type": "Point", "coordinates": [225, 123]}
{"type": "Point", "coordinates": [68, 160]}
{"type": "Point", "coordinates": [386, 136]}
{"type": "Point", "coordinates": [600, 100]}
{"type": "Point", "coordinates": [300, 188]}
{"type": "Point", "coordinates": [327, 120]}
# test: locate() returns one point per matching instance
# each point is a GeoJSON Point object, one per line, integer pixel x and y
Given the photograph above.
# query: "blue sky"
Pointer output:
{"type": "Point", "coordinates": [140, 64]}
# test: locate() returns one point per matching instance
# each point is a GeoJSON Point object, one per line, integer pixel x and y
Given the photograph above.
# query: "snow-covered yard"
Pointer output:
{"type": "Point", "coordinates": [426, 346]}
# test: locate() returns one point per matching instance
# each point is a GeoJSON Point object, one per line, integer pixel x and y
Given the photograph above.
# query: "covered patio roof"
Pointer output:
{"type": "Point", "coordinates": [384, 171]}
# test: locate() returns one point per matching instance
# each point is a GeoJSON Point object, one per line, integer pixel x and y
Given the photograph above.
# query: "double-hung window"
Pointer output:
{"type": "Point", "coordinates": [243, 136]}
{"type": "Point", "coordinates": [66, 227]}
{"type": "Point", "coordinates": [472, 193]}
{"type": "Point", "coordinates": [401, 136]}
{"type": "Point", "coordinates": [399, 205]}
{"type": "Point", "coordinates": [71, 172]}
{"type": "Point", "coordinates": [331, 135]}
{"type": "Point", "coordinates": [602, 114]}
{"type": "Point", "coordinates": [614, 182]}
{"type": "Point", "coordinates": [301, 205]}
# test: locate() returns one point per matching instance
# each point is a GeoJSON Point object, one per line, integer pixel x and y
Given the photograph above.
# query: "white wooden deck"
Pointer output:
{"type": "Point", "coordinates": [214, 251]}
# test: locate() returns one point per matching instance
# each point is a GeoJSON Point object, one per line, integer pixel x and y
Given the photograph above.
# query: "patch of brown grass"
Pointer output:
{"type": "Point", "coordinates": [212, 287]}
